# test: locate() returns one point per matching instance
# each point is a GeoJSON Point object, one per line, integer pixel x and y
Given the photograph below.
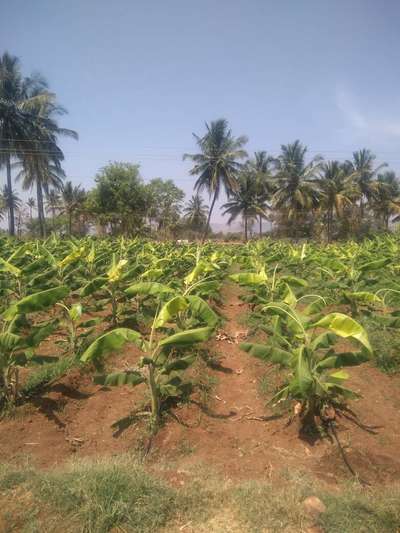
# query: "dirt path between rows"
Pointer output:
{"type": "Point", "coordinates": [230, 440]}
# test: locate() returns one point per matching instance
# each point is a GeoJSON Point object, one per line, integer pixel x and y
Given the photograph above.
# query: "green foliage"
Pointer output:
{"type": "Point", "coordinates": [97, 497]}
{"type": "Point", "coordinates": [298, 344]}
{"type": "Point", "coordinates": [164, 359]}
{"type": "Point", "coordinates": [20, 338]}
{"type": "Point", "coordinates": [46, 374]}
{"type": "Point", "coordinates": [119, 197]}
{"type": "Point", "coordinates": [36, 302]}
{"type": "Point", "coordinates": [117, 493]}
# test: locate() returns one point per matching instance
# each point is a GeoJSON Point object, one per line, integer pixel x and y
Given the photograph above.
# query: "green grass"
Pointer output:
{"type": "Point", "coordinates": [264, 385]}
{"type": "Point", "coordinates": [47, 373]}
{"type": "Point", "coordinates": [386, 346]}
{"type": "Point", "coordinates": [357, 510]}
{"type": "Point", "coordinates": [119, 495]}
{"type": "Point", "coordinates": [93, 497]}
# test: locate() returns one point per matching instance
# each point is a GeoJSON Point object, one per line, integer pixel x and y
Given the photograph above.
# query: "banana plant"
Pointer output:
{"type": "Point", "coordinates": [76, 331]}
{"type": "Point", "coordinates": [165, 357]}
{"type": "Point", "coordinates": [188, 309]}
{"type": "Point", "coordinates": [112, 284]}
{"type": "Point", "coordinates": [306, 345]}
{"type": "Point", "coordinates": [20, 338]}
{"type": "Point", "coordinates": [266, 288]}
{"type": "Point", "coordinates": [356, 282]}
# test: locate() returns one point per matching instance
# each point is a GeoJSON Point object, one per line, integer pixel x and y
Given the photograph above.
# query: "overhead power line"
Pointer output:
{"type": "Point", "coordinates": [184, 149]}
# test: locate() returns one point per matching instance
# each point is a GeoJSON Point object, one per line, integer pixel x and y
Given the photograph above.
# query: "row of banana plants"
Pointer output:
{"type": "Point", "coordinates": [88, 298]}
{"type": "Point", "coordinates": [309, 304]}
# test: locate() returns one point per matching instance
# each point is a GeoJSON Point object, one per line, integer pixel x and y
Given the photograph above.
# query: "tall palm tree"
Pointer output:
{"type": "Point", "coordinates": [72, 197]}
{"type": "Point", "coordinates": [38, 172]}
{"type": "Point", "coordinates": [362, 165]}
{"type": "Point", "coordinates": [41, 167]}
{"type": "Point", "coordinates": [262, 165]}
{"type": "Point", "coordinates": [53, 203]}
{"type": "Point", "coordinates": [10, 200]}
{"type": "Point", "coordinates": [196, 212]}
{"type": "Point", "coordinates": [385, 200]}
{"type": "Point", "coordinates": [18, 126]}
{"type": "Point", "coordinates": [296, 190]}
{"type": "Point", "coordinates": [217, 165]}
{"type": "Point", "coordinates": [337, 190]}
{"type": "Point", "coordinates": [243, 201]}
{"type": "Point", "coordinates": [31, 205]}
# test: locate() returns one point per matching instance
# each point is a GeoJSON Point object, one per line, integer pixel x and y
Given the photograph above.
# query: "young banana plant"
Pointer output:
{"type": "Point", "coordinates": [112, 284]}
{"type": "Point", "coordinates": [305, 343]}
{"type": "Point", "coordinates": [77, 331]}
{"type": "Point", "coordinates": [19, 339]}
{"type": "Point", "coordinates": [356, 284]}
{"type": "Point", "coordinates": [165, 356]}
{"type": "Point", "coordinates": [266, 288]}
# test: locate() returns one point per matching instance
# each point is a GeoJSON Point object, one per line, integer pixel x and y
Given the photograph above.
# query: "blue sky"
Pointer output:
{"type": "Point", "coordinates": [139, 77]}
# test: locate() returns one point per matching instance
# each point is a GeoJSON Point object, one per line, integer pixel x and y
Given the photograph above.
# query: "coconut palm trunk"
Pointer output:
{"type": "Point", "coordinates": [11, 214]}
{"type": "Point", "coordinates": [361, 209]}
{"type": "Point", "coordinates": [245, 228]}
{"type": "Point", "coordinates": [329, 223]}
{"type": "Point", "coordinates": [206, 230]}
{"type": "Point", "coordinates": [40, 207]}
{"type": "Point", "coordinates": [261, 228]}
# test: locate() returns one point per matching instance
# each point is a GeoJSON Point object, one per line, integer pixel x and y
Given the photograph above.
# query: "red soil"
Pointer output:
{"type": "Point", "coordinates": [75, 418]}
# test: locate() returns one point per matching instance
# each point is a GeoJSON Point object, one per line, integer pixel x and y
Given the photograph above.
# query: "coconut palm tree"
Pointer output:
{"type": "Point", "coordinates": [41, 168]}
{"type": "Point", "coordinates": [10, 200]}
{"type": "Point", "coordinates": [362, 166]}
{"type": "Point", "coordinates": [337, 189]}
{"type": "Point", "coordinates": [217, 163]}
{"type": "Point", "coordinates": [385, 199]}
{"type": "Point", "coordinates": [262, 165]}
{"type": "Point", "coordinates": [243, 201]}
{"type": "Point", "coordinates": [28, 131]}
{"type": "Point", "coordinates": [31, 205]}
{"type": "Point", "coordinates": [18, 125]}
{"type": "Point", "coordinates": [296, 190]}
{"type": "Point", "coordinates": [38, 172]}
{"type": "Point", "coordinates": [196, 212]}
{"type": "Point", "coordinates": [72, 198]}
{"type": "Point", "coordinates": [53, 203]}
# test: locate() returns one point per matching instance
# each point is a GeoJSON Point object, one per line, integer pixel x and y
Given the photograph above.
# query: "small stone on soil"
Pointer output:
{"type": "Point", "coordinates": [314, 506]}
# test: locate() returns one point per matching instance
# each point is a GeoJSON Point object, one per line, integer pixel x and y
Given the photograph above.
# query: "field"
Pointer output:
{"type": "Point", "coordinates": [150, 386]}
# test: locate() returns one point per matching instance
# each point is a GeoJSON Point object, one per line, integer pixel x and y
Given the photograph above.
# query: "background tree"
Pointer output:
{"type": "Point", "coordinates": [31, 205]}
{"type": "Point", "coordinates": [263, 165]}
{"type": "Point", "coordinates": [243, 201]}
{"type": "Point", "coordinates": [53, 203]}
{"type": "Point", "coordinates": [362, 167]}
{"type": "Point", "coordinates": [42, 166]}
{"type": "Point", "coordinates": [17, 125]}
{"type": "Point", "coordinates": [296, 192]}
{"type": "Point", "coordinates": [10, 201]}
{"type": "Point", "coordinates": [217, 164]}
{"type": "Point", "coordinates": [164, 201]}
{"type": "Point", "coordinates": [337, 189]}
{"type": "Point", "coordinates": [72, 198]}
{"type": "Point", "coordinates": [119, 200]}
{"type": "Point", "coordinates": [28, 132]}
{"type": "Point", "coordinates": [196, 212]}
{"type": "Point", "coordinates": [385, 199]}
